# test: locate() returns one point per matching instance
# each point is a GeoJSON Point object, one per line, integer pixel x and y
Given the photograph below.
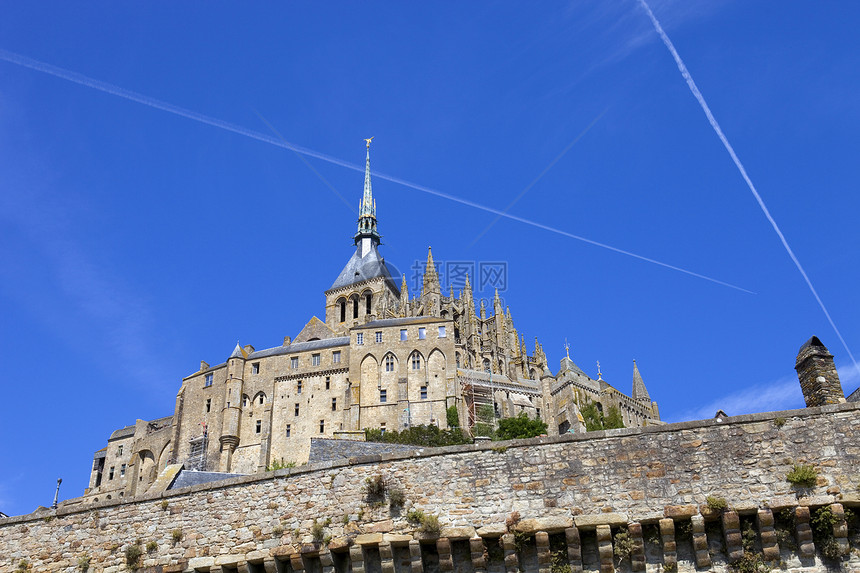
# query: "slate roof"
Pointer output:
{"type": "Point", "coordinates": [401, 321]}
{"type": "Point", "coordinates": [301, 347]}
{"type": "Point", "coordinates": [854, 396]}
{"type": "Point", "coordinates": [188, 478]}
{"type": "Point", "coordinates": [359, 269]}
{"type": "Point", "coordinates": [126, 432]}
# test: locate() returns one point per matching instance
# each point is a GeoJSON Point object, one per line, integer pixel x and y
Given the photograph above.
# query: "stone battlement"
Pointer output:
{"type": "Point", "coordinates": [576, 490]}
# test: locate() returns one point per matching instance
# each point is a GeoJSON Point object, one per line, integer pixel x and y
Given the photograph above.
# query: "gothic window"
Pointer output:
{"type": "Point", "coordinates": [261, 398]}
{"type": "Point", "coordinates": [416, 361]}
{"type": "Point", "coordinates": [389, 363]}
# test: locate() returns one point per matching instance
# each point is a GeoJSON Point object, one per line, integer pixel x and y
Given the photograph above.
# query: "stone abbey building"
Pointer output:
{"type": "Point", "coordinates": [380, 359]}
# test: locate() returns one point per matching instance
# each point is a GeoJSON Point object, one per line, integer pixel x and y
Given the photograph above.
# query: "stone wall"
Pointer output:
{"type": "Point", "coordinates": [572, 491]}
{"type": "Point", "coordinates": [326, 450]}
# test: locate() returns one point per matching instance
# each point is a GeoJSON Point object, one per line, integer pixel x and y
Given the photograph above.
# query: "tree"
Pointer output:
{"type": "Point", "coordinates": [595, 419]}
{"type": "Point", "coordinates": [453, 418]}
{"type": "Point", "coordinates": [520, 427]}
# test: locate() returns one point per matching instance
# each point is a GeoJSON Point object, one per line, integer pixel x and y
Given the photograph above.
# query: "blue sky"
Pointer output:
{"type": "Point", "coordinates": [136, 242]}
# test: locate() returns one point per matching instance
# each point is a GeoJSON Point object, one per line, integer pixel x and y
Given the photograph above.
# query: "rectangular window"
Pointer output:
{"type": "Point", "coordinates": [382, 427]}
{"type": "Point", "coordinates": [122, 470]}
{"type": "Point", "coordinates": [297, 410]}
{"type": "Point", "coordinates": [208, 404]}
{"type": "Point", "coordinates": [359, 338]}
{"type": "Point", "coordinates": [110, 474]}
{"type": "Point", "coordinates": [403, 334]}
{"type": "Point", "coordinates": [379, 336]}
{"type": "Point", "coordinates": [335, 357]}
{"type": "Point", "coordinates": [261, 398]}
{"type": "Point", "coordinates": [328, 382]}
{"type": "Point", "coordinates": [259, 425]}
{"type": "Point", "coordinates": [537, 413]}
{"type": "Point", "coordinates": [119, 451]}
{"type": "Point", "coordinates": [289, 430]}
{"type": "Point", "coordinates": [255, 368]}
{"type": "Point", "coordinates": [424, 392]}
{"type": "Point", "coordinates": [322, 426]}
{"type": "Point", "coordinates": [294, 362]}
{"type": "Point", "coordinates": [299, 387]}
{"type": "Point", "coordinates": [422, 333]}
{"type": "Point", "coordinates": [208, 381]}
{"type": "Point", "coordinates": [442, 332]}
{"type": "Point", "coordinates": [383, 396]}
{"type": "Point", "coordinates": [315, 359]}
{"type": "Point", "coordinates": [333, 404]}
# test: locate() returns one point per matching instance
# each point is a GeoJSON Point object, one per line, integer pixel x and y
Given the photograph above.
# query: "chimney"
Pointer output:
{"type": "Point", "coordinates": [287, 340]}
{"type": "Point", "coordinates": [203, 365]}
{"type": "Point", "coordinates": [816, 371]}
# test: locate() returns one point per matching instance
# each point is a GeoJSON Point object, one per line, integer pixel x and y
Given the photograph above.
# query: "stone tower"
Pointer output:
{"type": "Point", "coordinates": [819, 381]}
{"type": "Point", "coordinates": [231, 414]}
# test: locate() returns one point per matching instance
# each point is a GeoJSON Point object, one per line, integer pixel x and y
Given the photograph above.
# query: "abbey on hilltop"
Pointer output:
{"type": "Point", "coordinates": [380, 359]}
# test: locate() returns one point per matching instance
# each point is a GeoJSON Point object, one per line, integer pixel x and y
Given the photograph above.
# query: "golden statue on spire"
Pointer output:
{"type": "Point", "coordinates": [369, 140]}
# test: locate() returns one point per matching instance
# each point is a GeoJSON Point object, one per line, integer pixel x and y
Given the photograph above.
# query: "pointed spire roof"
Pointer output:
{"type": "Point", "coordinates": [431, 277]}
{"type": "Point", "coordinates": [238, 352]}
{"type": "Point", "coordinates": [367, 207]}
{"type": "Point", "coordinates": [639, 390]}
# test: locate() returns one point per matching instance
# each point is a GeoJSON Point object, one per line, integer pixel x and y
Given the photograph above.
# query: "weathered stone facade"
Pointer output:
{"type": "Point", "coordinates": [379, 360]}
{"type": "Point", "coordinates": [503, 507]}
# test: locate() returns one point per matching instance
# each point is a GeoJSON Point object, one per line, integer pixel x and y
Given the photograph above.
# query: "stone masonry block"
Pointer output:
{"type": "Point", "coordinates": [767, 535]}
{"type": "Point", "coordinates": [356, 556]}
{"type": "Point", "coordinates": [604, 548]}
{"type": "Point", "coordinates": [476, 549]}
{"type": "Point", "coordinates": [840, 528]}
{"type": "Point", "coordinates": [446, 562]}
{"type": "Point", "coordinates": [386, 557]}
{"type": "Point", "coordinates": [667, 535]}
{"type": "Point", "coordinates": [803, 532]}
{"type": "Point", "coordinates": [574, 549]}
{"type": "Point", "coordinates": [512, 562]}
{"type": "Point", "coordinates": [543, 555]}
{"type": "Point", "coordinates": [415, 563]}
{"type": "Point", "coordinates": [700, 542]}
{"type": "Point", "coordinates": [732, 535]}
{"type": "Point", "coordinates": [637, 555]}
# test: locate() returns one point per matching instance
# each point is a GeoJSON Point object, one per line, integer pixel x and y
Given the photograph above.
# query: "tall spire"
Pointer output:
{"type": "Point", "coordinates": [431, 277]}
{"type": "Point", "coordinates": [367, 208]}
{"type": "Point", "coordinates": [639, 390]}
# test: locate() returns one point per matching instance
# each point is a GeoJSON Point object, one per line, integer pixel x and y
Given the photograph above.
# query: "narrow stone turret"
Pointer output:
{"type": "Point", "coordinates": [816, 371]}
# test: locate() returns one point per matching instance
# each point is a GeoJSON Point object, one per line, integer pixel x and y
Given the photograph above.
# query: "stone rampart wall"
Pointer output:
{"type": "Point", "coordinates": [575, 488]}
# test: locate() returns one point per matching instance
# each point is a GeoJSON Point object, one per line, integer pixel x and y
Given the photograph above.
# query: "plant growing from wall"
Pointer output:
{"type": "Point", "coordinates": [24, 565]}
{"type": "Point", "coordinates": [415, 516]}
{"type": "Point", "coordinates": [430, 524]}
{"type": "Point", "coordinates": [318, 530]}
{"type": "Point", "coordinates": [84, 562]}
{"type": "Point", "coordinates": [151, 546]}
{"type": "Point", "coordinates": [802, 475]}
{"type": "Point", "coordinates": [421, 435]}
{"type": "Point", "coordinates": [279, 465]}
{"type": "Point", "coordinates": [396, 497]}
{"type": "Point", "coordinates": [716, 503]}
{"type": "Point", "coordinates": [176, 535]}
{"type": "Point", "coordinates": [822, 522]}
{"type": "Point", "coordinates": [779, 421]}
{"type": "Point", "coordinates": [512, 520]}
{"type": "Point", "coordinates": [375, 487]}
{"type": "Point", "coordinates": [132, 556]}
{"type": "Point", "coordinates": [164, 504]}
{"type": "Point", "coordinates": [622, 545]}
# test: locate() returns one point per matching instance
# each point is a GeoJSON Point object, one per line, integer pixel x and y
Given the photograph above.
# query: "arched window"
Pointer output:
{"type": "Point", "coordinates": [354, 307]}
{"type": "Point", "coordinates": [389, 363]}
{"type": "Point", "coordinates": [342, 304]}
{"type": "Point", "coordinates": [416, 361]}
{"type": "Point", "coordinates": [486, 364]}
{"type": "Point", "coordinates": [369, 303]}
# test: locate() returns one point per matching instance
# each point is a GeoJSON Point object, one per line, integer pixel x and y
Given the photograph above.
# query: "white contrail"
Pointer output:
{"type": "Point", "coordinates": [712, 120]}
{"type": "Point", "coordinates": [186, 113]}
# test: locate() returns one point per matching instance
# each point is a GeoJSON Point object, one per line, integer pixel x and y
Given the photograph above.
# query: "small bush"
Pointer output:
{"type": "Point", "coordinates": [779, 422]}
{"type": "Point", "coordinates": [279, 465]}
{"type": "Point", "coordinates": [23, 566]}
{"type": "Point", "coordinates": [317, 531]}
{"type": "Point", "coordinates": [802, 475]}
{"type": "Point", "coordinates": [396, 497]}
{"type": "Point", "coordinates": [622, 546]}
{"type": "Point", "coordinates": [278, 530]}
{"type": "Point", "coordinates": [512, 520]}
{"type": "Point", "coordinates": [176, 535]}
{"type": "Point", "coordinates": [345, 519]}
{"type": "Point", "coordinates": [452, 417]}
{"type": "Point", "coordinates": [415, 516]}
{"type": "Point", "coordinates": [430, 524]}
{"type": "Point", "coordinates": [84, 562]}
{"type": "Point", "coordinates": [750, 563]}
{"type": "Point", "coordinates": [151, 546]}
{"type": "Point", "coordinates": [670, 567]}
{"type": "Point", "coordinates": [375, 486]}
{"type": "Point", "coordinates": [164, 504]}
{"type": "Point", "coordinates": [716, 503]}
{"type": "Point", "coordinates": [132, 556]}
